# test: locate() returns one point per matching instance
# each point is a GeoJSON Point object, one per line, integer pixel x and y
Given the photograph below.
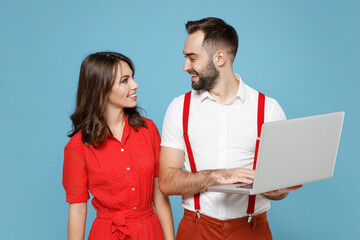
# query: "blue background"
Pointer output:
{"type": "Point", "coordinates": [304, 53]}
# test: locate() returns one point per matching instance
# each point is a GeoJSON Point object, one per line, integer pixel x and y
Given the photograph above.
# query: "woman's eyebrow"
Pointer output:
{"type": "Point", "coordinates": [125, 76]}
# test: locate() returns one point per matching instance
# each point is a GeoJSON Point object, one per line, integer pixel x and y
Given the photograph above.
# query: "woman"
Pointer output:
{"type": "Point", "coordinates": [113, 153]}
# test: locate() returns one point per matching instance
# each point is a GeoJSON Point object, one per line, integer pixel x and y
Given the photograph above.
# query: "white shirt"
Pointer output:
{"type": "Point", "coordinates": [221, 136]}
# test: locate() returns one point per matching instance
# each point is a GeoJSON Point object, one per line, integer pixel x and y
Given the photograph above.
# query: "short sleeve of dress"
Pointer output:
{"type": "Point", "coordinates": [75, 177]}
{"type": "Point", "coordinates": [155, 141]}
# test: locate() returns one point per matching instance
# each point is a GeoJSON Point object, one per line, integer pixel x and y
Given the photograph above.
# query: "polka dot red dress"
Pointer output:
{"type": "Point", "coordinates": [120, 175]}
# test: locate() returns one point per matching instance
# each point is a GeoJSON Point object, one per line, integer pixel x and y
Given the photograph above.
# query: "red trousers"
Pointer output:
{"type": "Point", "coordinates": [193, 228]}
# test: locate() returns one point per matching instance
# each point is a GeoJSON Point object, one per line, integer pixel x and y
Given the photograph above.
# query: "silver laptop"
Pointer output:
{"type": "Point", "coordinates": [293, 152]}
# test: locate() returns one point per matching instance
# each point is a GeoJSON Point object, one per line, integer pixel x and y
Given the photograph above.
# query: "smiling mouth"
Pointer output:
{"type": "Point", "coordinates": [193, 75]}
{"type": "Point", "coordinates": [132, 95]}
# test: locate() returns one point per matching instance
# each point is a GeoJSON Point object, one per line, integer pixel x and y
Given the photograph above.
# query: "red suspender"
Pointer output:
{"type": "Point", "coordinates": [260, 121]}
{"type": "Point", "coordinates": [186, 111]}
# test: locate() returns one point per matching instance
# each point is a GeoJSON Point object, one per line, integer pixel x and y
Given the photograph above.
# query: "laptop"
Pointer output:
{"type": "Point", "coordinates": [293, 152]}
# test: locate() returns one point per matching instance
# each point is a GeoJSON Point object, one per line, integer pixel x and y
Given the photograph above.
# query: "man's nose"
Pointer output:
{"type": "Point", "coordinates": [187, 65]}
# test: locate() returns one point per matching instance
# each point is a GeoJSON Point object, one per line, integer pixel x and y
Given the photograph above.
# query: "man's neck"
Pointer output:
{"type": "Point", "coordinates": [226, 87]}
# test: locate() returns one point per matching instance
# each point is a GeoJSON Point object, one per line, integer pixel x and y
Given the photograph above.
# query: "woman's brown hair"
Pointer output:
{"type": "Point", "coordinates": [97, 75]}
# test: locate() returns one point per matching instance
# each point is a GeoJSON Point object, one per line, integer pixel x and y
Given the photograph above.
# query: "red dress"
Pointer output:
{"type": "Point", "coordinates": [120, 176]}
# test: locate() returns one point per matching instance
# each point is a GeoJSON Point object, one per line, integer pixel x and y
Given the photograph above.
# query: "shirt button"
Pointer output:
{"type": "Point", "coordinates": [133, 189]}
{"type": "Point", "coordinates": [226, 224]}
{"type": "Point", "coordinates": [134, 207]}
{"type": "Point", "coordinates": [122, 149]}
{"type": "Point", "coordinates": [128, 168]}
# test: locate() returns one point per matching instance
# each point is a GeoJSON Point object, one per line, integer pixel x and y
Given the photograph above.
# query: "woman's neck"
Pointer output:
{"type": "Point", "coordinates": [116, 122]}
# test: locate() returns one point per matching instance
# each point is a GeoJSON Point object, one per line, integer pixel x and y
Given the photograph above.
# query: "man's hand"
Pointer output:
{"type": "Point", "coordinates": [234, 175]}
{"type": "Point", "coordinates": [281, 193]}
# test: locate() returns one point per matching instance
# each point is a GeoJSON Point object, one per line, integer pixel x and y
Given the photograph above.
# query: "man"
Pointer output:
{"type": "Point", "coordinates": [222, 132]}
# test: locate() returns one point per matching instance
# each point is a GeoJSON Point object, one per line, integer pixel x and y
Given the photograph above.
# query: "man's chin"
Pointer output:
{"type": "Point", "coordinates": [196, 86]}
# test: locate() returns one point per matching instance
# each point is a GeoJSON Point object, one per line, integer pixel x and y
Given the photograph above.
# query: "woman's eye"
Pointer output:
{"type": "Point", "coordinates": [125, 80]}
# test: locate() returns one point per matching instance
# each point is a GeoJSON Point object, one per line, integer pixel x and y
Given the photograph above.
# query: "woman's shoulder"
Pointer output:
{"type": "Point", "coordinates": [151, 126]}
{"type": "Point", "coordinates": [149, 123]}
{"type": "Point", "coordinates": [75, 141]}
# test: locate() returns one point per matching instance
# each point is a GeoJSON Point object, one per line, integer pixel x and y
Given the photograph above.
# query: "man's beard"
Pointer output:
{"type": "Point", "coordinates": [207, 77]}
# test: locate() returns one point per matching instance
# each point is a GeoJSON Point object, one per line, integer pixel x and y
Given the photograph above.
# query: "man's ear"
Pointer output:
{"type": "Point", "coordinates": [220, 58]}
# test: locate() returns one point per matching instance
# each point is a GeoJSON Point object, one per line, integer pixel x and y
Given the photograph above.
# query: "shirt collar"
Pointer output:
{"type": "Point", "coordinates": [242, 90]}
{"type": "Point", "coordinates": [241, 93]}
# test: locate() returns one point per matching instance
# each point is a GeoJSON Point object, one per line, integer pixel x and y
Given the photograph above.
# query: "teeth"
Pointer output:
{"type": "Point", "coordinates": [134, 95]}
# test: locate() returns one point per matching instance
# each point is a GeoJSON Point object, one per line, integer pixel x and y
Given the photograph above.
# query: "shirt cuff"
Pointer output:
{"type": "Point", "coordinates": [77, 198]}
{"type": "Point", "coordinates": [172, 145]}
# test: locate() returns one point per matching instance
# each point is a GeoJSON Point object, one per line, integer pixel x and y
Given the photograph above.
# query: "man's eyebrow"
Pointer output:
{"type": "Point", "coordinates": [190, 54]}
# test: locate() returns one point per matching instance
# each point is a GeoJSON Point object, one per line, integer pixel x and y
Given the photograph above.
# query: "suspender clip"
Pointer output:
{"type": "Point", "coordinates": [250, 218]}
{"type": "Point", "coordinates": [198, 213]}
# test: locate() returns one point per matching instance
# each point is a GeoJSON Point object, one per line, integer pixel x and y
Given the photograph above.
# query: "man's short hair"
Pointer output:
{"type": "Point", "coordinates": [217, 33]}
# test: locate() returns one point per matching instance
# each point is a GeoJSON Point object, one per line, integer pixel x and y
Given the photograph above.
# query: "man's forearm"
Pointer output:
{"type": "Point", "coordinates": [177, 182]}
{"type": "Point", "coordinates": [174, 181]}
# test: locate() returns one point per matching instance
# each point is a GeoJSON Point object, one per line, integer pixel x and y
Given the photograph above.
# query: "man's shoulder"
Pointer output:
{"type": "Point", "coordinates": [176, 106]}
{"type": "Point", "coordinates": [178, 101]}
{"type": "Point", "coordinates": [253, 93]}
{"type": "Point", "coordinates": [194, 94]}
